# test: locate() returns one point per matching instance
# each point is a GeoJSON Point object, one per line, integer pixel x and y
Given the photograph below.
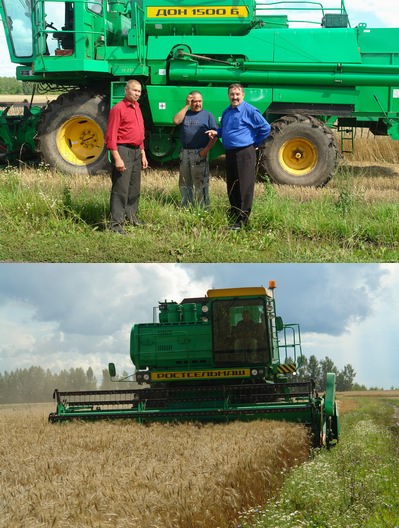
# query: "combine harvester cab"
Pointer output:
{"type": "Point", "coordinates": [305, 80]}
{"type": "Point", "coordinates": [214, 359]}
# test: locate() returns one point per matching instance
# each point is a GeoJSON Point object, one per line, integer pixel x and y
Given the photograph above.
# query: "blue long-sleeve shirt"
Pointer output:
{"type": "Point", "coordinates": [242, 126]}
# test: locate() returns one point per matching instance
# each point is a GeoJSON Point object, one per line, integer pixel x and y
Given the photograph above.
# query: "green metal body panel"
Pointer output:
{"type": "Point", "coordinates": [329, 404]}
{"type": "Point", "coordinates": [194, 364]}
{"type": "Point", "coordinates": [17, 133]}
{"type": "Point", "coordinates": [185, 344]}
{"type": "Point", "coordinates": [332, 71]}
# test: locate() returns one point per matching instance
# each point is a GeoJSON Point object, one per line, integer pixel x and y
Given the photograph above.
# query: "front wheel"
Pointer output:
{"type": "Point", "coordinates": [300, 150]}
{"type": "Point", "coordinates": [72, 131]}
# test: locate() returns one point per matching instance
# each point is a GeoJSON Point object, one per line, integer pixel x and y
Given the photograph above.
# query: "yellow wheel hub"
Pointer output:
{"type": "Point", "coordinates": [298, 156]}
{"type": "Point", "coordinates": [80, 141]}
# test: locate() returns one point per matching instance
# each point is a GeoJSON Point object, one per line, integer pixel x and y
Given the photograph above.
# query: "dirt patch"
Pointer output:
{"type": "Point", "coordinates": [347, 400]}
{"type": "Point", "coordinates": [346, 405]}
{"type": "Point", "coordinates": [20, 98]}
{"type": "Point", "coordinates": [369, 394]}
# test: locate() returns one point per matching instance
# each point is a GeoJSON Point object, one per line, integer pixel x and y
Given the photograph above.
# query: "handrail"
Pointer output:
{"type": "Point", "coordinates": [297, 6]}
{"type": "Point", "coordinates": [294, 344]}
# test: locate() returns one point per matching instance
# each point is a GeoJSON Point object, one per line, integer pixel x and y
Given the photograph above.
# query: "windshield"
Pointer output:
{"type": "Point", "coordinates": [19, 24]}
{"type": "Point", "coordinates": [240, 335]}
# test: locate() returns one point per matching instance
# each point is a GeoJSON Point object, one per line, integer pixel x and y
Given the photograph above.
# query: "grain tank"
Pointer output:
{"type": "Point", "coordinates": [225, 356]}
{"type": "Point", "coordinates": [305, 80]}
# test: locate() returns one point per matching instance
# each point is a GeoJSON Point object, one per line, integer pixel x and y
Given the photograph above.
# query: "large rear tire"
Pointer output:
{"type": "Point", "coordinates": [72, 131]}
{"type": "Point", "coordinates": [300, 150]}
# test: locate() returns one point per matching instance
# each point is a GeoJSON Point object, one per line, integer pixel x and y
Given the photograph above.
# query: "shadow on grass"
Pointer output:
{"type": "Point", "coordinates": [372, 171]}
{"type": "Point", "coordinates": [163, 198]}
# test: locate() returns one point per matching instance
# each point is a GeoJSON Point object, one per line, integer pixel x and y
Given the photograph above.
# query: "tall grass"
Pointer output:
{"type": "Point", "coordinates": [372, 149]}
{"type": "Point", "coordinates": [49, 217]}
{"type": "Point", "coordinates": [122, 474]}
{"type": "Point", "coordinates": [356, 485]}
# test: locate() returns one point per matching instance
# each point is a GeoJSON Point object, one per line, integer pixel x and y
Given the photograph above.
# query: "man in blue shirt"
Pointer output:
{"type": "Point", "coordinates": [194, 166]}
{"type": "Point", "coordinates": [242, 129]}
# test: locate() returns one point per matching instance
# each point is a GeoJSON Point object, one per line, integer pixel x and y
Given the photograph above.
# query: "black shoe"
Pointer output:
{"type": "Point", "coordinates": [118, 231]}
{"type": "Point", "coordinates": [235, 227]}
{"type": "Point", "coordinates": [136, 222]}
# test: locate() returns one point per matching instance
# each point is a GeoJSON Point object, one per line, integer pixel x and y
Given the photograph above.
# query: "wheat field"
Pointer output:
{"type": "Point", "coordinates": [123, 474]}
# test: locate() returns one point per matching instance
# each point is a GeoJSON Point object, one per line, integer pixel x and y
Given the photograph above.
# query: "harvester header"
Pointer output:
{"type": "Point", "coordinates": [225, 356]}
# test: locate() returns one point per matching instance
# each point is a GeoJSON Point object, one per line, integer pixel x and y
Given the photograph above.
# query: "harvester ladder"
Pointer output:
{"type": "Point", "coordinates": [347, 140]}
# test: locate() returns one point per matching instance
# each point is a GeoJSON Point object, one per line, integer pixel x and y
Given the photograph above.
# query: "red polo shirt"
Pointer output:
{"type": "Point", "coordinates": [125, 125]}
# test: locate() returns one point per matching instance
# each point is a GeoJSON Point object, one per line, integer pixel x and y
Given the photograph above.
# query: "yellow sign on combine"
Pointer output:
{"type": "Point", "coordinates": [286, 369]}
{"type": "Point", "coordinates": [198, 12]}
{"type": "Point", "coordinates": [200, 374]}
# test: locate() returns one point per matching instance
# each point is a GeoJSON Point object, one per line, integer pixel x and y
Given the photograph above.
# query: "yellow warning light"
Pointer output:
{"type": "Point", "coordinates": [272, 284]}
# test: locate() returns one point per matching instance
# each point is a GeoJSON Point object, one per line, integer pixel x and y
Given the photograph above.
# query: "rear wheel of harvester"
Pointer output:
{"type": "Point", "coordinates": [72, 131]}
{"type": "Point", "coordinates": [300, 150]}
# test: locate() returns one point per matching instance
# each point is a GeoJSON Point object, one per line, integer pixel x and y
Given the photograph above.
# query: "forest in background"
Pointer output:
{"type": "Point", "coordinates": [10, 86]}
{"type": "Point", "coordinates": [36, 385]}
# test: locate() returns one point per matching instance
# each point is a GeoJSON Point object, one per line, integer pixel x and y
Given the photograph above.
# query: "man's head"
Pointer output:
{"type": "Point", "coordinates": [236, 94]}
{"type": "Point", "coordinates": [132, 90]}
{"type": "Point", "coordinates": [195, 101]}
{"type": "Point", "coordinates": [246, 316]}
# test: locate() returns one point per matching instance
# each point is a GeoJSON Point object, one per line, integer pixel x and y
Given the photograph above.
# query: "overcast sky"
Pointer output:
{"type": "Point", "coordinates": [376, 13]}
{"type": "Point", "coordinates": [68, 315]}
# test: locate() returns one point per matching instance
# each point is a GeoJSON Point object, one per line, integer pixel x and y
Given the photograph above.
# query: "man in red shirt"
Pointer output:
{"type": "Point", "coordinates": [125, 140]}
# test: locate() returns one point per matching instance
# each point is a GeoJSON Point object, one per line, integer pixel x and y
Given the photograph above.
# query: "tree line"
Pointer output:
{"type": "Point", "coordinates": [10, 86]}
{"type": "Point", "coordinates": [317, 370]}
{"type": "Point", "coordinates": [36, 385]}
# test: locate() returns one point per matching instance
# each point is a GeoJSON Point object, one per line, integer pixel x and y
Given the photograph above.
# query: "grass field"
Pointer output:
{"type": "Point", "coordinates": [48, 217]}
{"type": "Point", "coordinates": [355, 485]}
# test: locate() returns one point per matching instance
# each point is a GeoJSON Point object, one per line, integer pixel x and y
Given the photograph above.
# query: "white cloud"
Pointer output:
{"type": "Point", "coordinates": [61, 316]}
{"type": "Point", "coordinates": [378, 13]}
{"type": "Point", "coordinates": [370, 345]}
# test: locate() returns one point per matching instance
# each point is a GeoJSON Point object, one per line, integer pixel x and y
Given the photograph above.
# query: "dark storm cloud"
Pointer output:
{"type": "Point", "coordinates": [92, 299]}
{"type": "Point", "coordinates": [59, 316]}
{"type": "Point", "coordinates": [83, 299]}
{"type": "Point", "coordinates": [323, 298]}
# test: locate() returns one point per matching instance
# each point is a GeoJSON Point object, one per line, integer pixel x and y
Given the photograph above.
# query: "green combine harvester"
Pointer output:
{"type": "Point", "coordinates": [305, 80]}
{"type": "Point", "coordinates": [214, 359]}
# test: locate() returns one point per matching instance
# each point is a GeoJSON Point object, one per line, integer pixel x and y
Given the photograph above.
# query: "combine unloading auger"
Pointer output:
{"type": "Point", "coordinates": [213, 359]}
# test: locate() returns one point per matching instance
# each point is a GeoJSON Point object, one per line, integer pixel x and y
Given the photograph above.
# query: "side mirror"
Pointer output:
{"type": "Point", "coordinates": [112, 369]}
{"type": "Point", "coordinates": [279, 324]}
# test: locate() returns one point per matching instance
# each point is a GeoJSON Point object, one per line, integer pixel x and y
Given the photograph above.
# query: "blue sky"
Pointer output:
{"type": "Point", "coordinates": [68, 315]}
{"type": "Point", "coordinates": [376, 13]}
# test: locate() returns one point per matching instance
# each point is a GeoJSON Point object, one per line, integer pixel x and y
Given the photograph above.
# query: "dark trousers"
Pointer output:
{"type": "Point", "coordinates": [125, 192]}
{"type": "Point", "coordinates": [240, 176]}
